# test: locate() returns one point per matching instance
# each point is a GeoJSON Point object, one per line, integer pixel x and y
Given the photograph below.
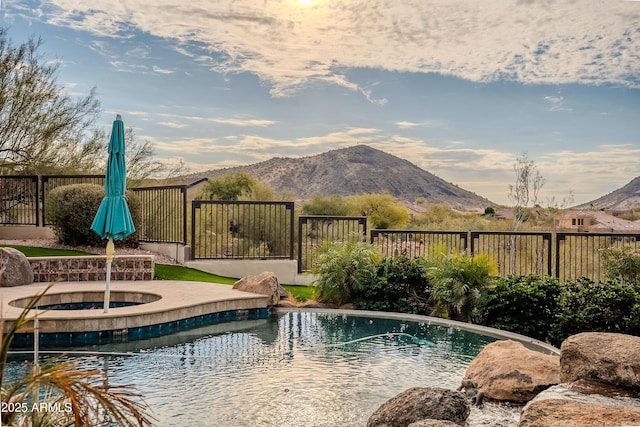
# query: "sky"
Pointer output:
{"type": "Point", "coordinates": [461, 88]}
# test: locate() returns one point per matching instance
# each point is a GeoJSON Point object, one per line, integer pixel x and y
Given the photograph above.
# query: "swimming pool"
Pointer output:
{"type": "Point", "coordinates": [291, 369]}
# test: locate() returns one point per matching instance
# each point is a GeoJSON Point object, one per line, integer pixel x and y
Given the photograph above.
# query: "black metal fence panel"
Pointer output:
{"type": "Point", "coordinates": [19, 200]}
{"type": "Point", "coordinates": [242, 230]}
{"type": "Point", "coordinates": [418, 243]}
{"type": "Point", "coordinates": [164, 214]}
{"type": "Point", "coordinates": [49, 182]}
{"type": "Point", "coordinates": [316, 230]}
{"type": "Point", "coordinates": [580, 254]}
{"type": "Point", "coordinates": [515, 253]}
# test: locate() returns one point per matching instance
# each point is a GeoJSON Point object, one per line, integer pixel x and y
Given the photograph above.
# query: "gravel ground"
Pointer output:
{"type": "Point", "coordinates": [53, 243]}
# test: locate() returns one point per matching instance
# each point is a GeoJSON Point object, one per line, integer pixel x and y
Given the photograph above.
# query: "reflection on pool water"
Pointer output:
{"type": "Point", "coordinates": [294, 369]}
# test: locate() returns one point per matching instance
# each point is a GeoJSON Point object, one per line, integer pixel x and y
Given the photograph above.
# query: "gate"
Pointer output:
{"type": "Point", "coordinates": [241, 230]}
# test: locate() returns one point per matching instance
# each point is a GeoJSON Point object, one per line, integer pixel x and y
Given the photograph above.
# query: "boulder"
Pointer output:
{"type": "Point", "coordinates": [508, 371]}
{"type": "Point", "coordinates": [421, 403]}
{"type": "Point", "coordinates": [576, 405]}
{"type": "Point", "coordinates": [603, 357]}
{"type": "Point", "coordinates": [15, 269]}
{"type": "Point", "coordinates": [264, 284]}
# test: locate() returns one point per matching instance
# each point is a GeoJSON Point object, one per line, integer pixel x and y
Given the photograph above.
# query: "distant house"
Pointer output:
{"type": "Point", "coordinates": [595, 221]}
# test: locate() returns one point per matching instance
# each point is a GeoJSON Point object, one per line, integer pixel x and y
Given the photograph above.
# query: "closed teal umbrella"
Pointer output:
{"type": "Point", "coordinates": [113, 220]}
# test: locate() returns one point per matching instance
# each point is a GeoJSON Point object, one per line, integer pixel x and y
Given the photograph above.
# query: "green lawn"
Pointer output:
{"type": "Point", "coordinates": [166, 272]}
{"type": "Point", "coordinates": [32, 251]}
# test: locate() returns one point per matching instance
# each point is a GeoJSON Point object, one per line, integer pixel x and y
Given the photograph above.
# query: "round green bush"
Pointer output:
{"type": "Point", "coordinates": [402, 286]}
{"type": "Point", "coordinates": [70, 210]}
{"type": "Point", "coordinates": [587, 306]}
{"type": "Point", "coordinates": [523, 304]}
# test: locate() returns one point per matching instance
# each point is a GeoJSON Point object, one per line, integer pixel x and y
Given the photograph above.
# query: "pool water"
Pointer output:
{"type": "Point", "coordinates": [294, 369]}
{"type": "Point", "coordinates": [86, 305]}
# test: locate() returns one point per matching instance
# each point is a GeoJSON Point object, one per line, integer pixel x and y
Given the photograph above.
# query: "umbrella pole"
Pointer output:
{"type": "Point", "coordinates": [107, 292]}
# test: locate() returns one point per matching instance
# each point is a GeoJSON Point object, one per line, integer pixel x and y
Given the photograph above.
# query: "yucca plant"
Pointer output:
{"type": "Point", "coordinates": [80, 396]}
{"type": "Point", "coordinates": [457, 282]}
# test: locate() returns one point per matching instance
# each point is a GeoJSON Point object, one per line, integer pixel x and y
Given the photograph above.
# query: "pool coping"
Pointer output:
{"type": "Point", "coordinates": [179, 301]}
{"type": "Point", "coordinates": [528, 342]}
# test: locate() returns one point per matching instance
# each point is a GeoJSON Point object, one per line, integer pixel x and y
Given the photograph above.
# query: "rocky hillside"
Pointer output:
{"type": "Point", "coordinates": [356, 170]}
{"type": "Point", "coordinates": [627, 197]}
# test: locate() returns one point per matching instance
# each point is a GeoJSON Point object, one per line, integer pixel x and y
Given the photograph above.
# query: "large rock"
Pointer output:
{"type": "Point", "coordinates": [421, 403]}
{"type": "Point", "coordinates": [576, 405]}
{"type": "Point", "coordinates": [507, 370]}
{"type": "Point", "coordinates": [603, 357]}
{"type": "Point", "coordinates": [264, 284]}
{"type": "Point", "coordinates": [15, 269]}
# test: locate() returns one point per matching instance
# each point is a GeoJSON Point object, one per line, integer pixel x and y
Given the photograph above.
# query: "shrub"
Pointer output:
{"type": "Point", "coordinates": [457, 282]}
{"type": "Point", "coordinates": [401, 286]}
{"type": "Point", "coordinates": [71, 209]}
{"type": "Point", "coordinates": [599, 307]}
{"type": "Point", "coordinates": [343, 267]}
{"type": "Point", "coordinates": [622, 264]}
{"type": "Point", "coordinates": [522, 304]}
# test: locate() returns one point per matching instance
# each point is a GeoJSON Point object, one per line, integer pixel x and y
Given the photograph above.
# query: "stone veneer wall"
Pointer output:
{"type": "Point", "coordinates": [91, 268]}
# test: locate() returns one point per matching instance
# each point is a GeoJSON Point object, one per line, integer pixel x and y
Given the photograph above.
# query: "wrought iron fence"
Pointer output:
{"type": "Point", "coordinates": [19, 200]}
{"type": "Point", "coordinates": [417, 243]}
{"type": "Point", "coordinates": [580, 254]}
{"type": "Point", "coordinates": [164, 214]}
{"type": "Point", "coordinates": [265, 230]}
{"type": "Point", "coordinates": [315, 230]}
{"type": "Point", "coordinates": [241, 230]}
{"type": "Point", "coordinates": [515, 253]}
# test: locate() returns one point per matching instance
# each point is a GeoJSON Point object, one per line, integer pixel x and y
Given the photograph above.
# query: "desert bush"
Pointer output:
{"type": "Point", "coordinates": [457, 282]}
{"type": "Point", "coordinates": [600, 307]}
{"type": "Point", "coordinates": [343, 267]}
{"type": "Point", "coordinates": [523, 304]}
{"type": "Point", "coordinates": [401, 286]}
{"type": "Point", "coordinates": [71, 209]}
{"type": "Point", "coordinates": [622, 264]}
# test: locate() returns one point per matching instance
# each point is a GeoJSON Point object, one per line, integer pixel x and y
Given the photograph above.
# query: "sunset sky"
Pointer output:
{"type": "Point", "coordinates": [459, 87]}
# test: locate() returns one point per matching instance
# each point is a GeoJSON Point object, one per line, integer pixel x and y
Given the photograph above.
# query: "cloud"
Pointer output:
{"type": "Point", "coordinates": [160, 70]}
{"type": "Point", "coordinates": [288, 46]}
{"type": "Point", "coordinates": [557, 103]}
{"type": "Point", "coordinates": [172, 125]}
{"type": "Point", "coordinates": [243, 122]}
{"type": "Point", "coordinates": [427, 124]}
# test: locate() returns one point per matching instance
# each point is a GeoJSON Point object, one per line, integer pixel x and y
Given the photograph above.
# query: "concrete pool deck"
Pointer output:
{"type": "Point", "coordinates": [170, 301]}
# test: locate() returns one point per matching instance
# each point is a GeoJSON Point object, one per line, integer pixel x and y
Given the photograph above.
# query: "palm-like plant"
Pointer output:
{"type": "Point", "coordinates": [77, 395]}
{"type": "Point", "coordinates": [343, 267]}
{"type": "Point", "coordinates": [457, 282]}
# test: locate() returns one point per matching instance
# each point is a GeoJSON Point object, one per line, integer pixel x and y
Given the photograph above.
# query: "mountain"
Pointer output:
{"type": "Point", "coordinates": [626, 197]}
{"type": "Point", "coordinates": [356, 170]}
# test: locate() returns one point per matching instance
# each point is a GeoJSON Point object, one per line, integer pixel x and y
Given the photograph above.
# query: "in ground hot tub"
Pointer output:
{"type": "Point", "coordinates": [87, 300]}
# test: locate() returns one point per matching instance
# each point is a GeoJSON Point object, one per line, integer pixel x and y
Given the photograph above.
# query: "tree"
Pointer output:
{"type": "Point", "coordinates": [320, 204]}
{"type": "Point", "coordinates": [42, 129]}
{"type": "Point", "coordinates": [381, 210]}
{"type": "Point", "coordinates": [229, 187]}
{"type": "Point", "coordinates": [528, 184]}
{"type": "Point", "coordinates": [525, 190]}
{"type": "Point", "coordinates": [141, 161]}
